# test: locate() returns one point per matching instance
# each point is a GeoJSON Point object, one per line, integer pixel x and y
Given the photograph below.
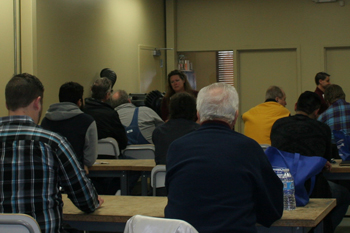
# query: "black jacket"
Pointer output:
{"type": "Point", "coordinates": [107, 121]}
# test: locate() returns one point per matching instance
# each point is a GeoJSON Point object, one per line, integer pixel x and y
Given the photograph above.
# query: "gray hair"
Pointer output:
{"type": "Point", "coordinates": [101, 88]}
{"type": "Point", "coordinates": [217, 101]}
{"type": "Point", "coordinates": [122, 99]}
{"type": "Point", "coordinates": [273, 92]}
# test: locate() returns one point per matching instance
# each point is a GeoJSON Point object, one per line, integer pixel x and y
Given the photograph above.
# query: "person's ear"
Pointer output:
{"type": "Point", "coordinates": [295, 106]}
{"type": "Point", "coordinates": [79, 103]}
{"type": "Point", "coordinates": [316, 112]}
{"type": "Point", "coordinates": [37, 103]}
{"type": "Point", "coordinates": [234, 121]}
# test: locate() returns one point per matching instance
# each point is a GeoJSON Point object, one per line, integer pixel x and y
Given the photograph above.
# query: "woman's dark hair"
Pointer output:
{"type": "Point", "coordinates": [183, 76]}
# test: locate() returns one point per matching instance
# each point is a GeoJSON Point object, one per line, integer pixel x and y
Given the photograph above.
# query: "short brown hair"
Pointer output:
{"type": "Point", "coordinates": [21, 90]}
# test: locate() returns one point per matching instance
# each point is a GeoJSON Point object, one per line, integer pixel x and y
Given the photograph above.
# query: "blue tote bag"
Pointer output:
{"type": "Point", "coordinates": [343, 144]}
{"type": "Point", "coordinates": [301, 167]}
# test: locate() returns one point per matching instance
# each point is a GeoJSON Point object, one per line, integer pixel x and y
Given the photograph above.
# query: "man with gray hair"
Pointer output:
{"type": "Point", "coordinates": [216, 176]}
{"type": "Point", "coordinates": [258, 120]}
{"type": "Point", "coordinates": [139, 122]}
{"type": "Point", "coordinates": [107, 120]}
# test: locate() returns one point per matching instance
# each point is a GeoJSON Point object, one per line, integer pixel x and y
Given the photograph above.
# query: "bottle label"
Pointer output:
{"type": "Point", "coordinates": [288, 185]}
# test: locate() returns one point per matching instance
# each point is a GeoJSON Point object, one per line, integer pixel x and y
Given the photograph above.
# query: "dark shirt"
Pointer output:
{"type": "Point", "coordinates": [219, 180]}
{"type": "Point", "coordinates": [74, 129]}
{"type": "Point", "coordinates": [165, 134]}
{"type": "Point", "coordinates": [107, 121]}
{"type": "Point", "coordinates": [324, 105]}
{"type": "Point", "coordinates": [301, 134]}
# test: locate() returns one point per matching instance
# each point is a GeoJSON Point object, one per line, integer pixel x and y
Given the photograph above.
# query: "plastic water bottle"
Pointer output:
{"type": "Point", "coordinates": [288, 190]}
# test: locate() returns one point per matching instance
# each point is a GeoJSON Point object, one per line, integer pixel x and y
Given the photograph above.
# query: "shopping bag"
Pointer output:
{"type": "Point", "coordinates": [343, 144]}
{"type": "Point", "coordinates": [301, 167]}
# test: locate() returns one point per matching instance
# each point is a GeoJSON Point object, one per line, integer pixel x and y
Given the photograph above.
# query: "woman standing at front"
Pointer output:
{"type": "Point", "coordinates": [177, 82]}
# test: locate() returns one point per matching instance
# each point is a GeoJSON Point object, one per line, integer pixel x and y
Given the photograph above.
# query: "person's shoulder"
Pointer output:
{"type": "Point", "coordinates": [284, 119]}
{"type": "Point", "coordinates": [84, 117]}
{"type": "Point", "coordinates": [251, 110]}
{"type": "Point", "coordinates": [47, 136]}
{"type": "Point", "coordinates": [146, 109]}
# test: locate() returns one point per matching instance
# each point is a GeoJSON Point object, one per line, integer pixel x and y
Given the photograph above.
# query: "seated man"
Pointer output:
{"type": "Point", "coordinates": [182, 110]}
{"type": "Point", "coordinates": [259, 120]}
{"type": "Point", "coordinates": [35, 162]}
{"type": "Point", "coordinates": [67, 119]}
{"type": "Point", "coordinates": [138, 121]}
{"type": "Point", "coordinates": [107, 120]}
{"type": "Point", "coordinates": [219, 180]}
{"type": "Point", "coordinates": [303, 134]}
{"type": "Point", "coordinates": [337, 115]}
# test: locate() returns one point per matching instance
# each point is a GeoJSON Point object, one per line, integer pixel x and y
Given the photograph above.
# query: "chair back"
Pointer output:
{"type": "Point", "coordinates": [19, 223]}
{"type": "Point", "coordinates": [139, 151]}
{"type": "Point", "coordinates": [108, 148]}
{"type": "Point", "coordinates": [158, 177]}
{"type": "Point", "coordinates": [146, 224]}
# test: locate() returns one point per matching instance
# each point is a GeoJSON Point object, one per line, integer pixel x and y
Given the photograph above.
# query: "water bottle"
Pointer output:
{"type": "Point", "coordinates": [288, 190]}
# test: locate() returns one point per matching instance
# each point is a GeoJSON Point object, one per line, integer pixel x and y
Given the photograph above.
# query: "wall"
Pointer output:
{"type": "Point", "coordinates": [204, 66]}
{"type": "Point", "coordinates": [7, 48]}
{"type": "Point", "coordinates": [74, 40]}
{"type": "Point", "coordinates": [309, 37]}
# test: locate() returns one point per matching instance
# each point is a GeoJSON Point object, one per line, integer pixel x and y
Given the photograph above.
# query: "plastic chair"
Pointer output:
{"type": "Point", "coordinates": [146, 224]}
{"type": "Point", "coordinates": [139, 151]}
{"type": "Point", "coordinates": [108, 148]}
{"type": "Point", "coordinates": [19, 223]}
{"type": "Point", "coordinates": [158, 177]}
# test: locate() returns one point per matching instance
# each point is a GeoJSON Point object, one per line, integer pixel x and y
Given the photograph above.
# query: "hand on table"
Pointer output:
{"type": "Point", "coordinates": [327, 166]}
{"type": "Point", "coordinates": [101, 201]}
{"type": "Point", "coordinates": [86, 169]}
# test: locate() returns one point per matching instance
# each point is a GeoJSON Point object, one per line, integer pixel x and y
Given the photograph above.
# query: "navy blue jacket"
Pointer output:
{"type": "Point", "coordinates": [219, 180]}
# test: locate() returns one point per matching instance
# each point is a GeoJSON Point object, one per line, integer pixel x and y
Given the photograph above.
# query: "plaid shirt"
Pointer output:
{"type": "Point", "coordinates": [337, 117]}
{"type": "Point", "coordinates": [33, 164]}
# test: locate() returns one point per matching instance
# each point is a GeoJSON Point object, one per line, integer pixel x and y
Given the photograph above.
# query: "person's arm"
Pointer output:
{"type": "Point", "coordinates": [74, 181]}
{"type": "Point", "coordinates": [90, 146]}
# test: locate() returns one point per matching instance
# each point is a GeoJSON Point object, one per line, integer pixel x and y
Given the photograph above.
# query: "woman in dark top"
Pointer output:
{"type": "Point", "coordinates": [177, 82]}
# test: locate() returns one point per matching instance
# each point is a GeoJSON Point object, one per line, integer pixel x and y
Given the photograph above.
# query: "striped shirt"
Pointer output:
{"type": "Point", "coordinates": [33, 164]}
{"type": "Point", "coordinates": [337, 117]}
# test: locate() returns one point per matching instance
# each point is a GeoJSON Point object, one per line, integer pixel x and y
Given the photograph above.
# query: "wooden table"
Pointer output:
{"type": "Point", "coordinates": [338, 172]}
{"type": "Point", "coordinates": [120, 168]}
{"type": "Point", "coordinates": [116, 210]}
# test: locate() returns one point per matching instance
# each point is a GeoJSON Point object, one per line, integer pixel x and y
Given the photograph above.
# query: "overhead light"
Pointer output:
{"type": "Point", "coordinates": [320, 1]}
